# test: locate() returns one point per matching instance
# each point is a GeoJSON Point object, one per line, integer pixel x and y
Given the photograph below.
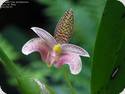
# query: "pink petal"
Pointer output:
{"type": "Point", "coordinates": [45, 35]}
{"type": "Point", "coordinates": [74, 49]}
{"type": "Point", "coordinates": [73, 60]}
{"type": "Point", "coordinates": [36, 45]}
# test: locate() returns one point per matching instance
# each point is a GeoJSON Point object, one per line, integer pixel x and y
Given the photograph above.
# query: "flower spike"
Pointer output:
{"type": "Point", "coordinates": [64, 27]}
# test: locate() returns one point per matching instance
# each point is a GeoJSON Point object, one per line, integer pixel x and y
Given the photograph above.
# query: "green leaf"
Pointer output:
{"type": "Point", "coordinates": [25, 84]}
{"type": "Point", "coordinates": [10, 50]}
{"type": "Point", "coordinates": [109, 54]}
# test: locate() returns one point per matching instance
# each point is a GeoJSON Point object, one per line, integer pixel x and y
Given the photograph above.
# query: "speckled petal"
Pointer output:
{"type": "Point", "coordinates": [74, 49]}
{"type": "Point", "coordinates": [73, 60]}
{"type": "Point", "coordinates": [36, 45]}
{"type": "Point", "coordinates": [45, 35]}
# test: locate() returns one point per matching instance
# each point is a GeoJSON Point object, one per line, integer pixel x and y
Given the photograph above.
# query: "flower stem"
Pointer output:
{"type": "Point", "coordinates": [73, 91]}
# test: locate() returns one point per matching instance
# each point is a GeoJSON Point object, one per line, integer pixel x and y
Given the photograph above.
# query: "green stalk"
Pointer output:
{"type": "Point", "coordinates": [73, 91]}
{"type": "Point", "coordinates": [9, 65]}
{"type": "Point", "coordinates": [25, 83]}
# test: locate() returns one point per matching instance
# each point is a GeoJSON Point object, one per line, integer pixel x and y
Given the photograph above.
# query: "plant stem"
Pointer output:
{"type": "Point", "coordinates": [25, 84]}
{"type": "Point", "coordinates": [9, 65]}
{"type": "Point", "coordinates": [73, 91]}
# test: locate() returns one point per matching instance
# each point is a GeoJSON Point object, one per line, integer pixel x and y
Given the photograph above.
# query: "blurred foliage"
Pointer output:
{"type": "Point", "coordinates": [24, 81]}
{"type": "Point", "coordinates": [9, 49]}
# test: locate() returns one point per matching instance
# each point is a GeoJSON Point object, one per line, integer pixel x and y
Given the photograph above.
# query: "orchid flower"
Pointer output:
{"type": "Point", "coordinates": [56, 50]}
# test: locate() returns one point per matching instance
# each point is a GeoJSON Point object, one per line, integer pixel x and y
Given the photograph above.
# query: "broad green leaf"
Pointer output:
{"type": "Point", "coordinates": [108, 70]}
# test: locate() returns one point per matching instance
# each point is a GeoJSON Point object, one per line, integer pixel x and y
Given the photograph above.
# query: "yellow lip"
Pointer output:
{"type": "Point", "coordinates": [57, 48]}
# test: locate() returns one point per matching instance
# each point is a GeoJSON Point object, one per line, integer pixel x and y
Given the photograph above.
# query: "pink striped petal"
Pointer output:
{"type": "Point", "coordinates": [73, 60]}
{"type": "Point", "coordinates": [45, 35]}
{"type": "Point", "coordinates": [74, 49]}
{"type": "Point", "coordinates": [36, 45]}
